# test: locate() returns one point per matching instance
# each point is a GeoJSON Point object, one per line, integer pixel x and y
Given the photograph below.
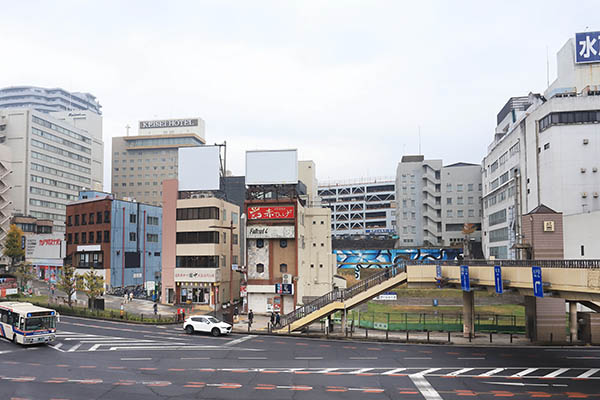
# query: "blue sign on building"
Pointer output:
{"type": "Point", "coordinates": [438, 272]}
{"type": "Point", "coordinates": [465, 284]}
{"type": "Point", "coordinates": [538, 286]}
{"type": "Point", "coordinates": [498, 279]}
{"type": "Point", "coordinates": [587, 47]}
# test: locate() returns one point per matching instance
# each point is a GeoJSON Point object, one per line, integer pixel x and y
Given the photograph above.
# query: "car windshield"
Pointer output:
{"type": "Point", "coordinates": [35, 323]}
{"type": "Point", "coordinates": [213, 320]}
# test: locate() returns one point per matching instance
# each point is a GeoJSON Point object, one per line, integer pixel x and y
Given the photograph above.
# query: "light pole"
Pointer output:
{"type": "Point", "coordinates": [230, 228]}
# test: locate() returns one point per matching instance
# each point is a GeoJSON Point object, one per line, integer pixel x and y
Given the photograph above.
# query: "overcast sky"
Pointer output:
{"type": "Point", "coordinates": [347, 83]}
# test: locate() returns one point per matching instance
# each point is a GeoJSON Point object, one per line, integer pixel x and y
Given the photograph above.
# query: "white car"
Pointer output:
{"type": "Point", "coordinates": [206, 323]}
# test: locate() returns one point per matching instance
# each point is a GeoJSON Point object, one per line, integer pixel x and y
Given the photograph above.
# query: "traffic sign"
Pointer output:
{"type": "Point", "coordinates": [538, 286]}
{"type": "Point", "coordinates": [498, 279]}
{"type": "Point", "coordinates": [438, 272]}
{"type": "Point", "coordinates": [464, 278]}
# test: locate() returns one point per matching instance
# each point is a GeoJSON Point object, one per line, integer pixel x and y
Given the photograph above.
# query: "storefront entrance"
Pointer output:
{"type": "Point", "coordinates": [193, 293]}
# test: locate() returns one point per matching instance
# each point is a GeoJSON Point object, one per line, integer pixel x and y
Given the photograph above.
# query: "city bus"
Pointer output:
{"type": "Point", "coordinates": [25, 323]}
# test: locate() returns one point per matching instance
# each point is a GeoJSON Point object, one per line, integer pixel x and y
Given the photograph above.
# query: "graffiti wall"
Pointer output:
{"type": "Point", "coordinates": [363, 259]}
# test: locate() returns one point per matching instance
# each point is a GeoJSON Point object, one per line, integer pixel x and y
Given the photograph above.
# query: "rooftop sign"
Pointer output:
{"type": "Point", "coordinates": [587, 47]}
{"type": "Point", "coordinates": [169, 123]}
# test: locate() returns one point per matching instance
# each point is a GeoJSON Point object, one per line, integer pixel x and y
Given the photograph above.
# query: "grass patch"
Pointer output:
{"type": "Point", "coordinates": [500, 309]}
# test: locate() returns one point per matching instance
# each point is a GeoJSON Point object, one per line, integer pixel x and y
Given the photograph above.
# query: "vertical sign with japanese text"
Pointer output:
{"type": "Point", "coordinates": [465, 283]}
{"type": "Point", "coordinates": [538, 286]}
{"type": "Point", "coordinates": [498, 279]}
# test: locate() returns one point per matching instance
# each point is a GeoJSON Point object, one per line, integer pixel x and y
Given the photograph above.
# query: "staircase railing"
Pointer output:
{"type": "Point", "coordinates": [343, 294]}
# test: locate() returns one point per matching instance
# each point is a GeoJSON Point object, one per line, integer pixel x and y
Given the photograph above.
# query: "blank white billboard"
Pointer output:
{"type": "Point", "coordinates": [199, 168]}
{"type": "Point", "coordinates": [271, 167]}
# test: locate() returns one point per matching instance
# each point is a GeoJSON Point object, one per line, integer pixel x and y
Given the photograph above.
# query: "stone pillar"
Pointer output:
{"type": "Point", "coordinates": [468, 314]}
{"type": "Point", "coordinates": [573, 320]}
{"type": "Point", "coordinates": [530, 317]}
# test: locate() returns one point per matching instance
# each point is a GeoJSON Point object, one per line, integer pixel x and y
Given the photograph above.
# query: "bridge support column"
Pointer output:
{"type": "Point", "coordinates": [545, 319]}
{"type": "Point", "coordinates": [344, 321]}
{"type": "Point", "coordinates": [573, 320]}
{"type": "Point", "coordinates": [468, 314]}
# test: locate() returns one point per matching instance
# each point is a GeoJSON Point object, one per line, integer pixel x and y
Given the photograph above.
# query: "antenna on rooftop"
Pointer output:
{"type": "Point", "coordinates": [127, 127]}
{"type": "Point", "coordinates": [419, 139]}
{"type": "Point", "coordinates": [547, 68]}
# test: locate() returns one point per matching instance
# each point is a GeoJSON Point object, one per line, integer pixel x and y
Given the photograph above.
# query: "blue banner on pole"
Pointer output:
{"type": "Point", "coordinates": [465, 285]}
{"type": "Point", "coordinates": [498, 279]}
{"type": "Point", "coordinates": [538, 286]}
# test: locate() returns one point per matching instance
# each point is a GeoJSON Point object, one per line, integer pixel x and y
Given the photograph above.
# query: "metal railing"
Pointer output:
{"type": "Point", "coordinates": [588, 264]}
{"type": "Point", "coordinates": [341, 295]}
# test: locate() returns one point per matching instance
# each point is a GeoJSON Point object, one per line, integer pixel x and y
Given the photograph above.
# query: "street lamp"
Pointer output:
{"type": "Point", "coordinates": [230, 228]}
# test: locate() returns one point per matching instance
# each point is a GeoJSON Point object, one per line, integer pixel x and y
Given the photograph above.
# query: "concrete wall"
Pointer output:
{"type": "Point", "coordinates": [581, 242]}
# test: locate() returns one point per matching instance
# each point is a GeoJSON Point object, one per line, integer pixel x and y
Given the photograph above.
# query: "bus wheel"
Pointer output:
{"type": "Point", "coordinates": [14, 339]}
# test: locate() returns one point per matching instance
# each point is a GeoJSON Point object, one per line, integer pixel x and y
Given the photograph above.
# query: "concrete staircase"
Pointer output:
{"type": "Point", "coordinates": [343, 299]}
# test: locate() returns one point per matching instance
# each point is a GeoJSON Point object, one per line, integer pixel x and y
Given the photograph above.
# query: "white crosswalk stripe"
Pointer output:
{"type": "Point", "coordinates": [523, 373]}
{"type": "Point", "coordinates": [588, 373]}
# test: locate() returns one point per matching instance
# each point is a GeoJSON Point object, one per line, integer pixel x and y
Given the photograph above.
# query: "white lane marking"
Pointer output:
{"type": "Point", "coordinates": [492, 372]}
{"type": "Point", "coordinates": [394, 371]}
{"type": "Point", "coordinates": [428, 392]}
{"type": "Point", "coordinates": [523, 373]}
{"type": "Point", "coordinates": [240, 340]}
{"type": "Point", "coordinates": [136, 359]}
{"type": "Point", "coordinates": [360, 371]}
{"type": "Point", "coordinates": [517, 384]}
{"type": "Point", "coordinates": [57, 347]}
{"type": "Point", "coordinates": [74, 347]}
{"type": "Point", "coordinates": [8, 351]}
{"type": "Point", "coordinates": [583, 358]}
{"type": "Point", "coordinates": [588, 373]}
{"type": "Point", "coordinates": [428, 371]}
{"type": "Point", "coordinates": [471, 358]}
{"type": "Point", "coordinates": [363, 358]}
{"type": "Point", "coordinates": [556, 373]}
{"type": "Point", "coordinates": [252, 358]}
{"type": "Point", "coordinates": [460, 371]}
{"type": "Point", "coordinates": [417, 358]}
{"type": "Point", "coordinates": [195, 358]}
{"type": "Point", "coordinates": [308, 358]}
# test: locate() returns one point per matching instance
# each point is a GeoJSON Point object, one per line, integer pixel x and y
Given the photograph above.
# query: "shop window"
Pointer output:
{"type": "Point", "coordinates": [260, 268]}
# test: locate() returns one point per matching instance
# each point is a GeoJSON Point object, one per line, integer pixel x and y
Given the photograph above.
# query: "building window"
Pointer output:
{"type": "Point", "coordinates": [470, 187]}
{"type": "Point", "coordinates": [283, 268]}
{"type": "Point", "coordinates": [106, 217]}
{"type": "Point", "coordinates": [132, 236]}
{"type": "Point", "coordinates": [91, 237]}
{"type": "Point", "coordinates": [449, 200]}
{"type": "Point", "coordinates": [197, 262]}
{"type": "Point", "coordinates": [69, 238]}
{"type": "Point", "coordinates": [152, 237]}
{"type": "Point", "coordinates": [98, 236]}
{"type": "Point", "coordinates": [69, 220]}
{"type": "Point", "coordinates": [448, 187]}
{"type": "Point", "coordinates": [260, 243]}
{"type": "Point", "coordinates": [582, 250]}
{"type": "Point", "coordinates": [224, 237]}
{"type": "Point", "coordinates": [459, 187]}
{"type": "Point", "coordinates": [106, 236]}
{"type": "Point", "coordinates": [132, 218]}
{"type": "Point", "coordinates": [92, 218]}
{"type": "Point", "coordinates": [283, 243]}
{"type": "Point", "coordinates": [471, 213]}
{"type": "Point", "coordinates": [460, 213]}
{"type": "Point", "coordinates": [197, 213]}
{"type": "Point", "coordinates": [76, 238]}
{"type": "Point", "coordinates": [83, 237]}
{"type": "Point", "coordinates": [260, 268]}
{"type": "Point", "coordinates": [99, 217]}
{"type": "Point", "coordinates": [77, 220]}
{"type": "Point", "coordinates": [234, 238]}
{"type": "Point", "coordinates": [196, 237]}
{"type": "Point", "coordinates": [459, 200]}
{"type": "Point", "coordinates": [449, 214]}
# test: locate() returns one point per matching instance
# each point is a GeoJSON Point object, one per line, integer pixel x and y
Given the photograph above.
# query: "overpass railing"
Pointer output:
{"type": "Point", "coordinates": [589, 264]}
{"type": "Point", "coordinates": [341, 295]}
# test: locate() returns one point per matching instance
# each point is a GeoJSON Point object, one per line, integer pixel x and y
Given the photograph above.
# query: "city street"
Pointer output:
{"type": "Point", "coordinates": [110, 360]}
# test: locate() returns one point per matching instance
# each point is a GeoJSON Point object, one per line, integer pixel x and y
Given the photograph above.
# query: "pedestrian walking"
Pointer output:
{"type": "Point", "coordinates": [130, 296]}
{"type": "Point", "coordinates": [272, 319]}
{"type": "Point", "coordinates": [250, 317]}
{"type": "Point", "coordinates": [125, 298]}
{"type": "Point", "coordinates": [277, 320]}
{"type": "Point", "coordinates": [155, 308]}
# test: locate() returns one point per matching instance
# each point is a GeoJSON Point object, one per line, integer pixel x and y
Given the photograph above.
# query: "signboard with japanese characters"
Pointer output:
{"type": "Point", "coordinates": [274, 212]}
{"type": "Point", "coordinates": [197, 274]}
{"type": "Point", "coordinates": [270, 232]}
{"type": "Point", "coordinates": [587, 47]}
{"type": "Point", "coordinates": [45, 249]}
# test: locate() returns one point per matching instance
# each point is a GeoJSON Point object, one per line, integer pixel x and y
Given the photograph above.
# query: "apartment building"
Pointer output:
{"type": "Point", "coordinates": [47, 99]}
{"type": "Point", "coordinates": [141, 163]}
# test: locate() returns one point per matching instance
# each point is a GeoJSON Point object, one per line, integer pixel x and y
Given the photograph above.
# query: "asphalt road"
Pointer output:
{"type": "Point", "coordinates": [109, 360]}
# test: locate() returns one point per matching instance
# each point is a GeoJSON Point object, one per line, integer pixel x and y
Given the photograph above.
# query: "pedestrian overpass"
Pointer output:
{"type": "Point", "coordinates": [574, 281]}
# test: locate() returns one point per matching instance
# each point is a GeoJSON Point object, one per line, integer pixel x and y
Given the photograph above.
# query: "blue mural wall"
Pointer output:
{"type": "Point", "coordinates": [366, 259]}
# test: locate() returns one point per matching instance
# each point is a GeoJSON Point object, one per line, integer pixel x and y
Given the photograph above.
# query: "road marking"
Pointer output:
{"type": "Point", "coordinates": [460, 371]}
{"type": "Point", "coordinates": [428, 392]}
{"type": "Point", "coordinates": [363, 358]}
{"type": "Point", "coordinates": [428, 371]}
{"type": "Point", "coordinates": [5, 351]}
{"type": "Point", "coordinates": [517, 384]}
{"type": "Point", "coordinates": [240, 340]}
{"type": "Point", "coordinates": [195, 358]}
{"type": "Point", "coordinates": [136, 359]}
{"type": "Point", "coordinates": [588, 373]}
{"type": "Point", "coordinates": [556, 373]}
{"type": "Point", "coordinates": [583, 358]}
{"type": "Point", "coordinates": [252, 358]}
{"type": "Point", "coordinates": [417, 358]}
{"type": "Point", "coordinates": [308, 358]}
{"type": "Point", "coordinates": [74, 347]}
{"type": "Point", "coordinates": [523, 373]}
{"type": "Point", "coordinates": [394, 371]}
{"type": "Point", "coordinates": [361, 371]}
{"type": "Point", "coordinates": [492, 372]}
{"type": "Point", "coordinates": [470, 358]}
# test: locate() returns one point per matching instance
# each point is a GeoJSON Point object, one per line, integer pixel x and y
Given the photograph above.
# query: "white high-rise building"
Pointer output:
{"type": "Point", "coordinates": [546, 150]}
{"type": "Point", "coordinates": [47, 159]}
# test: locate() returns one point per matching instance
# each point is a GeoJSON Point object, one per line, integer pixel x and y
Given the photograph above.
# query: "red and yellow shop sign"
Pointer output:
{"type": "Point", "coordinates": [277, 212]}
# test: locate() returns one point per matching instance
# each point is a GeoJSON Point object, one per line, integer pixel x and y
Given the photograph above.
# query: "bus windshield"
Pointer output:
{"type": "Point", "coordinates": [37, 323]}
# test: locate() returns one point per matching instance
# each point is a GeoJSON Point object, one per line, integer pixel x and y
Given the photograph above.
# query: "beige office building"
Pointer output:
{"type": "Point", "coordinates": [140, 163]}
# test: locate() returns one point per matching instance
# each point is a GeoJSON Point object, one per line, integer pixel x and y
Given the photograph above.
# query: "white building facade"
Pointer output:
{"type": "Point", "coordinates": [545, 151]}
{"type": "Point", "coordinates": [49, 159]}
{"type": "Point", "coordinates": [365, 207]}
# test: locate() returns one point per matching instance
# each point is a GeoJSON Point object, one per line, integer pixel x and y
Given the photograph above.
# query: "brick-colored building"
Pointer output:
{"type": "Point", "coordinates": [542, 231]}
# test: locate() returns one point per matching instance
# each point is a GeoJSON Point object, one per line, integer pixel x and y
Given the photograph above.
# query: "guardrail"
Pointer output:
{"type": "Point", "coordinates": [590, 264]}
{"type": "Point", "coordinates": [341, 295]}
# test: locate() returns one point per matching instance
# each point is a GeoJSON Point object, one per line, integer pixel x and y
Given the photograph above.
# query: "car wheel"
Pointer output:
{"type": "Point", "coordinates": [215, 332]}
{"type": "Point", "coordinates": [189, 329]}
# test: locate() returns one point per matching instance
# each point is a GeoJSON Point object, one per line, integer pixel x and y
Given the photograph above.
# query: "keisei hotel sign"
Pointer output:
{"type": "Point", "coordinates": [276, 212]}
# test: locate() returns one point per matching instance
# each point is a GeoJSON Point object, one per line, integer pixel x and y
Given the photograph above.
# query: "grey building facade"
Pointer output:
{"type": "Point", "coordinates": [47, 99]}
